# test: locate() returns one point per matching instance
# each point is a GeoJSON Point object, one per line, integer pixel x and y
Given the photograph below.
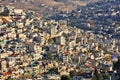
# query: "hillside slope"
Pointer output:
{"type": "Point", "coordinates": [102, 17]}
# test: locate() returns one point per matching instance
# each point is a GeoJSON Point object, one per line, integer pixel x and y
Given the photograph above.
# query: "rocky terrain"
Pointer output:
{"type": "Point", "coordinates": [44, 7]}
{"type": "Point", "coordinates": [35, 4]}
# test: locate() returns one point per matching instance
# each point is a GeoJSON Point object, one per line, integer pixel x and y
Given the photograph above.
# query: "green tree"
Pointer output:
{"type": "Point", "coordinates": [97, 75]}
{"type": "Point", "coordinates": [48, 56]}
{"type": "Point", "coordinates": [54, 70]}
{"type": "Point", "coordinates": [56, 59]}
{"type": "Point", "coordinates": [106, 76]}
{"type": "Point", "coordinates": [65, 35]}
{"type": "Point", "coordinates": [51, 41]}
{"type": "Point", "coordinates": [73, 73]}
{"type": "Point", "coordinates": [9, 78]}
{"type": "Point", "coordinates": [65, 77]}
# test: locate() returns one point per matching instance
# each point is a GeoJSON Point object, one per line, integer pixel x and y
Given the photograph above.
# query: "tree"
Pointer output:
{"type": "Point", "coordinates": [65, 35]}
{"type": "Point", "coordinates": [73, 73]}
{"type": "Point", "coordinates": [65, 77]}
{"type": "Point", "coordinates": [97, 75]}
{"type": "Point", "coordinates": [6, 11]}
{"type": "Point", "coordinates": [116, 65]}
{"type": "Point", "coordinates": [51, 41]}
{"type": "Point", "coordinates": [106, 76]}
{"type": "Point", "coordinates": [100, 77]}
{"type": "Point", "coordinates": [9, 78]}
{"type": "Point", "coordinates": [54, 70]}
{"type": "Point", "coordinates": [48, 56]}
{"type": "Point", "coordinates": [56, 59]}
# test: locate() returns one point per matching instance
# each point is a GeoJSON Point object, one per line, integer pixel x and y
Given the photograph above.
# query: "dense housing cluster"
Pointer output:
{"type": "Point", "coordinates": [34, 48]}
